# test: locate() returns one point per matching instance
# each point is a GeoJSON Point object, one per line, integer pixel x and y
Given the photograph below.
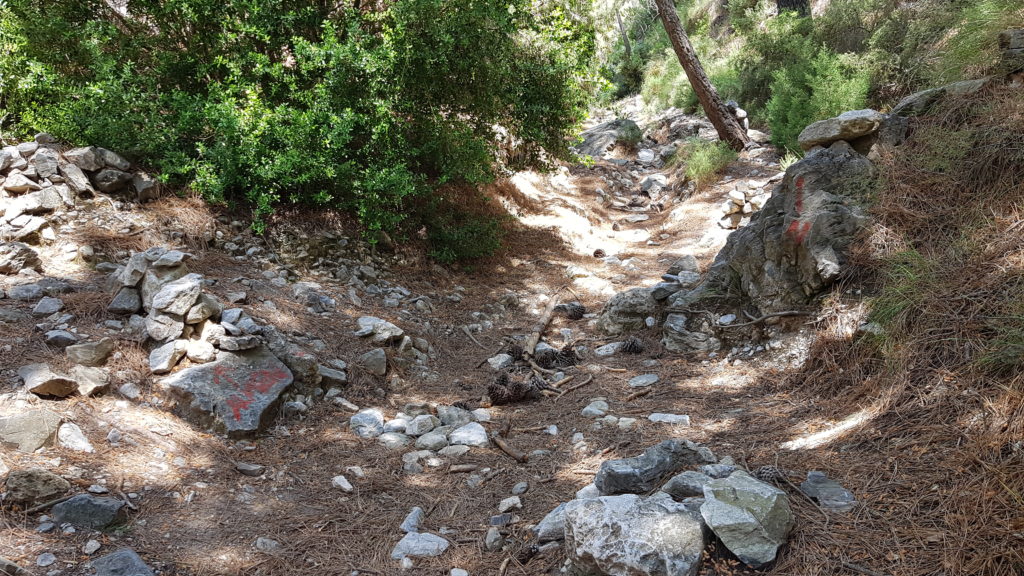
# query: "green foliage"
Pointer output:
{"type": "Point", "coordinates": [908, 276]}
{"type": "Point", "coordinates": [474, 237]}
{"type": "Point", "coordinates": [270, 102]}
{"type": "Point", "coordinates": [705, 160]}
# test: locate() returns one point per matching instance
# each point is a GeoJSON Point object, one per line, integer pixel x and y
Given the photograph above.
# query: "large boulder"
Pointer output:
{"type": "Point", "coordinates": [627, 311]}
{"type": "Point", "coordinates": [921, 102]}
{"type": "Point", "coordinates": [643, 473]}
{"type": "Point", "coordinates": [597, 140]}
{"type": "Point", "coordinates": [797, 245]}
{"type": "Point", "coordinates": [29, 430]}
{"type": "Point", "coordinates": [847, 126]}
{"type": "Point", "coordinates": [236, 393]}
{"type": "Point", "coordinates": [34, 484]}
{"type": "Point", "coordinates": [752, 518]}
{"type": "Point", "coordinates": [633, 536]}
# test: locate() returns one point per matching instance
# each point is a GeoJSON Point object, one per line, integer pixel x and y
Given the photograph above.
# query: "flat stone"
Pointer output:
{"type": "Point", "coordinates": [510, 503]}
{"type": "Point", "coordinates": [126, 301]}
{"type": "Point", "coordinates": [379, 331]}
{"type": "Point", "coordinates": [751, 518]}
{"type": "Point", "coordinates": [29, 430]}
{"type": "Point", "coordinates": [42, 381]}
{"type": "Point", "coordinates": [453, 452]}
{"type": "Point", "coordinates": [432, 441]}
{"type": "Point", "coordinates": [236, 393]}
{"type": "Point", "coordinates": [18, 183]}
{"type": "Point", "coordinates": [847, 126]}
{"type": "Point", "coordinates": [236, 343]}
{"type": "Point", "coordinates": [25, 292]}
{"type": "Point", "coordinates": [250, 469]}
{"type": "Point", "coordinates": [123, 562]}
{"type": "Point", "coordinates": [659, 417]}
{"type": "Point", "coordinates": [165, 357]}
{"type": "Point", "coordinates": [47, 307]}
{"type": "Point", "coordinates": [635, 536]}
{"type": "Point", "coordinates": [413, 520]}
{"type": "Point", "coordinates": [472, 434]}
{"type": "Point", "coordinates": [419, 544]}
{"type": "Point", "coordinates": [90, 353]}
{"type": "Point", "coordinates": [689, 484]}
{"type": "Point", "coordinates": [828, 493]}
{"type": "Point", "coordinates": [88, 511]}
{"type": "Point", "coordinates": [85, 158]}
{"type": "Point", "coordinates": [90, 380]}
{"type": "Point", "coordinates": [608, 349]}
{"type": "Point", "coordinates": [70, 436]}
{"type": "Point", "coordinates": [394, 440]}
{"type": "Point", "coordinates": [643, 473]}
{"type": "Point", "coordinates": [643, 380]}
{"type": "Point", "coordinates": [154, 279]}
{"type": "Point", "coordinates": [368, 423]}
{"type": "Point", "coordinates": [178, 296]}
{"type": "Point", "coordinates": [34, 484]}
{"type": "Point", "coordinates": [595, 409]}
{"type": "Point", "coordinates": [374, 362]}
{"type": "Point", "coordinates": [454, 416]}
{"type": "Point", "coordinates": [330, 377]}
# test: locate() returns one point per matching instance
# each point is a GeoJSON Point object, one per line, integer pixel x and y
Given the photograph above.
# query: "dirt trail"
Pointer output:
{"type": "Point", "coordinates": [197, 515]}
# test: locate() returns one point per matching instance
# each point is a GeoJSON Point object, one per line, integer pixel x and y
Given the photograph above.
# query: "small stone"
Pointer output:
{"type": "Point", "coordinates": [200, 351]}
{"type": "Point", "coordinates": [493, 540]}
{"type": "Point", "coordinates": [340, 481]}
{"type": "Point", "coordinates": [59, 338]}
{"type": "Point", "coordinates": [368, 423]}
{"type": "Point", "coordinates": [88, 511]}
{"type": "Point", "coordinates": [248, 469]}
{"type": "Point", "coordinates": [130, 390]}
{"type": "Point", "coordinates": [413, 520]}
{"type": "Point", "coordinates": [25, 292]}
{"type": "Point", "coordinates": [45, 559]}
{"type": "Point", "coordinates": [681, 419]}
{"type": "Point", "coordinates": [393, 440]}
{"type": "Point", "coordinates": [499, 362]}
{"type": "Point", "coordinates": [90, 353]}
{"type": "Point", "coordinates": [71, 437]}
{"type": "Point", "coordinates": [829, 494]}
{"type": "Point", "coordinates": [266, 545]}
{"type": "Point", "coordinates": [510, 503]}
{"type": "Point", "coordinates": [91, 547]}
{"type": "Point", "coordinates": [596, 409]}
{"type": "Point", "coordinates": [164, 358]}
{"type": "Point", "coordinates": [689, 484]}
{"type": "Point", "coordinates": [42, 381]}
{"type": "Point", "coordinates": [375, 362]}
{"type": "Point", "coordinates": [34, 484]}
{"type": "Point", "coordinates": [435, 440]}
{"type": "Point", "coordinates": [520, 488]}
{"type": "Point", "coordinates": [643, 380]}
{"type": "Point", "coordinates": [608, 349]}
{"type": "Point", "coordinates": [123, 562]}
{"type": "Point", "coordinates": [423, 544]}
{"type": "Point", "coordinates": [47, 306]}
{"type": "Point", "coordinates": [454, 452]}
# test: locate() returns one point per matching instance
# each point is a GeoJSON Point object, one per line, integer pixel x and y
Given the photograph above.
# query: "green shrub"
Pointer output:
{"type": "Point", "coordinates": [705, 160]}
{"type": "Point", "coordinates": [266, 102]}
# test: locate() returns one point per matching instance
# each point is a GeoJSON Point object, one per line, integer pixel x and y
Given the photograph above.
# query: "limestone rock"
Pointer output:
{"type": "Point", "coordinates": [689, 484]}
{"type": "Point", "coordinates": [123, 562]}
{"type": "Point", "coordinates": [627, 311]}
{"type": "Point", "coordinates": [34, 485]}
{"type": "Point", "coordinates": [16, 256]}
{"type": "Point", "coordinates": [46, 162]}
{"type": "Point", "coordinates": [29, 430]}
{"type": "Point", "coordinates": [677, 338]}
{"type": "Point", "coordinates": [379, 331]}
{"type": "Point", "coordinates": [552, 526]}
{"type": "Point", "coordinates": [368, 423]}
{"type": "Point", "coordinates": [753, 519]}
{"type": "Point", "coordinates": [85, 158]}
{"type": "Point", "coordinates": [126, 301]}
{"type": "Point", "coordinates": [90, 379]}
{"type": "Point", "coordinates": [799, 243]}
{"type": "Point", "coordinates": [847, 126]}
{"type": "Point", "coordinates": [472, 434]}
{"type": "Point", "coordinates": [164, 327]}
{"type": "Point", "coordinates": [76, 180]}
{"type": "Point", "coordinates": [829, 494]}
{"type": "Point", "coordinates": [70, 436]}
{"type": "Point", "coordinates": [634, 536]}
{"type": "Point", "coordinates": [178, 296]}
{"type": "Point", "coordinates": [154, 279]}
{"type": "Point", "coordinates": [112, 159]}
{"type": "Point", "coordinates": [374, 362]}
{"type": "Point", "coordinates": [205, 307]}
{"type": "Point", "coordinates": [422, 544]}
{"type": "Point", "coordinates": [236, 393]}
{"type": "Point", "coordinates": [90, 353]}
{"type": "Point", "coordinates": [88, 511]}
{"type": "Point", "coordinates": [42, 381]}
{"type": "Point", "coordinates": [597, 140]}
{"type": "Point", "coordinates": [642, 473]}
{"type": "Point", "coordinates": [165, 357]}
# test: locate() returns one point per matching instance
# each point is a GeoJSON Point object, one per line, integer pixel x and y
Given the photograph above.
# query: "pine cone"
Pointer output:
{"type": "Point", "coordinates": [502, 380]}
{"type": "Point", "coordinates": [633, 345]}
{"type": "Point", "coordinates": [546, 358]}
{"type": "Point", "coordinates": [498, 394]}
{"type": "Point", "coordinates": [566, 357]}
{"type": "Point", "coordinates": [770, 474]}
{"type": "Point", "coordinates": [572, 310]}
{"type": "Point", "coordinates": [519, 391]}
{"type": "Point", "coordinates": [516, 352]}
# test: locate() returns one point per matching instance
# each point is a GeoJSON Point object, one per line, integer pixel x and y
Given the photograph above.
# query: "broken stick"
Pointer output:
{"type": "Point", "coordinates": [541, 325]}
{"type": "Point", "coordinates": [516, 455]}
{"type": "Point", "coordinates": [587, 380]}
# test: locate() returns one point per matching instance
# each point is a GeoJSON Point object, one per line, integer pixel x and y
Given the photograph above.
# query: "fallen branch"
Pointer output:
{"type": "Point", "coordinates": [462, 468]}
{"type": "Point", "coordinates": [562, 381]}
{"type": "Point", "coordinates": [588, 380]}
{"type": "Point", "coordinates": [767, 316]}
{"type": "Point", "coordinates": [638, 394]}
{"type": "Point", "coordinates": [46, 505]}
{"type": "Point", "coordinates": [516, 455]}
{"type": "Point", "coordinates": [541, 325]}
{"type": "Point", "coordinates": [539, 369]}
{"type": "Point", "coordinates": [477, 342]}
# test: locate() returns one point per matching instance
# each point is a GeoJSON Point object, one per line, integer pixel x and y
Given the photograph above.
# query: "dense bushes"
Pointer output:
{"type": "Point", "coordinates": [261, 102]}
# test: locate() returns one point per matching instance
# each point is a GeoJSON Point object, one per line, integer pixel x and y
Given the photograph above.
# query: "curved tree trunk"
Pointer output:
{"type": "Point", "coordinates": [728, 128]}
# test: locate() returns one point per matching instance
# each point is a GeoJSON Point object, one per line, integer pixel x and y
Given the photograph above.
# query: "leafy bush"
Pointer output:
{"type": "Point", "coordinates": [266, 102]}
{"type": "Point", "coordinates": [705, 160]}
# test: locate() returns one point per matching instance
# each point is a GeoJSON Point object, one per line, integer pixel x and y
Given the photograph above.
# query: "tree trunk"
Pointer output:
{"type": "Point", "coordinates": [801, 7]}
{"type": "Point", "coordinates": [729, 129]}
{"type": "Point", "coordinates": [625, 37]}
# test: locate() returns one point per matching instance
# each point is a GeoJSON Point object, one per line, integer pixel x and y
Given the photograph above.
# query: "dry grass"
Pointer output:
{"type": "Point", "coordinates": [192, 217]}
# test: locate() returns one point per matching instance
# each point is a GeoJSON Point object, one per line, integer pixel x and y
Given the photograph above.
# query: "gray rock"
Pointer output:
{"type": "Point", "coordinates": [847, 126]}
{"type": "Point", "coordinates": [380, 332]}
{"type": "Point", "coordinates": [368, 423]}
{"type": "Point", "coordinates": [308, 294]}
{"type": "Point", "coordinates": [146, 187]}
{"type": "Point", "coordinates": [419, 544]}
{"type": "Point", "coordinates": [34, 484]}
{"type": "Point", "coordinates": [413, 520]}
{"type": "Point", "coordinates": [16, 256]}
{"type": "Point", "coordinates": [920, 102]}
{"type": "Point", "coordinates": [70, 436]}
{"type": "Point", "coordinates": [111, 180]}
{"type": "Point", "coordinates": [374, 362]}
{"type": "Point", "coordinates": [394, 440]}
{"type": "Point", "coordinates": [676, 337]}
{"type": "Point", "coordinates": [90, 353]}
{"type": "Point", "coordinates": [643, 473]}
{"type": "Point", "coordinates": [472, 434]}
{"type": "Point", "coordinates": [608, 349]}
{"type": "Point", "coordinates": [154, 279]}
{"type": "Point", "coordinates": [454, 416]}
{"type": "Point", "coordinates": [798, 244]}
{"type": "Point", "coordinates": [689, 484]}
{"type": "Point", "coordinates": [164, 327]}
{"type": "Point", "coordinates": [46, 162]}
{"type": "Point", "coordinates": [237, 393]}
{"type": "Point", "coordinates": [88, 511]}
{"type": "Point", "coordinates": [42, 381]}
{"type": "Point", "coordinates": [330, 377]}
{"type": "Point", "coordinates": [627, 311]}
{"type": "Point", "coordinates": [499, 362]}
{"type": "Point", "coordinates": [112, 159]}
{"type": "Point", "coordinates": [663, 290]}
{"type": "Point", "coordinates": [90, 380]}
{"type": "Point", "coordinates": [598, 139]}
{"type": "Point", "coordinates": [634, 536]}
{"type": "Point", "coordinates": [126, 301]}
{"type": "Point", "coordinates": [595, 409]}
{"type": "Point", "coordinates": [47, 306]}
{"type": "Point", "coordinates": [59, 338]}
{"type": "Point", "coordinates": [134, 270]}
{"type": "Point", "coordinates": [84, 158]}
{"type": "Point", "coordinates": [236, 343]}
{"type": "Point", "coordinates": [178, 296]}
{"type": "Point", "coordinates": [76, 180]}
{"type": "Point", "coordinates": [717, 470]}
{"type": "Point", "coordinates": [493, 540]}
{"type": "Point", "coordinates": [753, 519]}
{"type": "Point", "coordinates": [25, 292]}
{"type": "Point", "coordinates": [828, 493]}
{"type": "Point", "coordinates": [165, 357]}
{"type": "Point", "coordinates": [643, 380]}
{"type": "Point", "coordinates": [206, 307]}
{"type": "Point", "coordinates": [422, 424]}
{"type": "Point", "coordinates": [201, 351]}
{"type": "Point", "coordinates": [432, 441]}
{"type": "Point", "coordinates": [29, 430]}
{"type": "Point", "coordinates": [123, 562]}
{"type": "Point", "coordinates": [552, 526]}
{"type": "Point", "coordinates": [18, 183]}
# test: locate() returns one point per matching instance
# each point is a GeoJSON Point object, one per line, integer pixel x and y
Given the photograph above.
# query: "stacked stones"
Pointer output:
{"type": "Point", "coordinates": [612, 528]}
{"type": "Point", "coordinates": [745, 199]}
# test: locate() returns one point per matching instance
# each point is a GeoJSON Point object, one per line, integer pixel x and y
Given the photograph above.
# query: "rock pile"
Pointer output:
{"type": "Point", "coordinates": [610, 528]}
{"type": "Point", "coordinates": [744, 199]}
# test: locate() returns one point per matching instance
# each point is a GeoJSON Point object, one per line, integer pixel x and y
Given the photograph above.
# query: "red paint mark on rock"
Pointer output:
{"type": "Point", "coordinates": [260, 382]}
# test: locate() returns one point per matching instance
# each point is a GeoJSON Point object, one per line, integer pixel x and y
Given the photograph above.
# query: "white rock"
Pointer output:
{"type": "Point", "coordinates": [472, 434]}
{"type": "Point", "coordinates": [419, 544]}
{"type": "Point", "coordinates": [510, 503]}
{"type": "Point", "coordinates": [71, 437]}
{"type": "Point", "coordinates": [682, 419]}
{"type": "Point", "coordinates": [340, 481]}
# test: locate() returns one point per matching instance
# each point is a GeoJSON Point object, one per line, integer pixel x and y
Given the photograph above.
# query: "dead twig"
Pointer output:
{"type": "Point", "coordinates": [46, 505]}
{"type": "Point", "coordinates": [638, 394]}
{"type": "Point", "coordinates": [505, 447]}
{"type": "Point", "coordinates": [475, 341]}
{"type": "Point", "coordinates": [588, 380]}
